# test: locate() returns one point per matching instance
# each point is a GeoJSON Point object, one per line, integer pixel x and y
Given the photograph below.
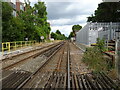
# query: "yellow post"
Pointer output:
{"type": "Point", "coordinates": [9, 46]}
{"type": "Point", "coordinates": [6, 46]}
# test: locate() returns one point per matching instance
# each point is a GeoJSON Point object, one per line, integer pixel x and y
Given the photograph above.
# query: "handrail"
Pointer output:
{"type": "Point", "coordinates": [7, 46]}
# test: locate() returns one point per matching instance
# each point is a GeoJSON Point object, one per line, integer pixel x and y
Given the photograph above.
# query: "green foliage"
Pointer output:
{"type": "Point", "coordinates": [101, 44]}
{"type": "Point", "coordinates": [6, 12]}
{"type": "Point", "coordinates": [31, 23]}
{"type": "Point", "coordinates": [28, 19]}
{"type": "Point", "coordinates": [93, 57]}
{"type": "Point", "coordinates": [6, 21]}
{"type": "Point", "coordinates": [71, 35]}
{"type": "Point", "coordinates": [76, 28]}
{"type": "Point", "coordinates": [106, 12]}
{"type": "Point", "coordinates": [58, 32]}
{"type": "Point", "coordinates": [58, 36]}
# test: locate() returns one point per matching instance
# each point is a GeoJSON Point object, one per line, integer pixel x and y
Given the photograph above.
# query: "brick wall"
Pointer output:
{"type": "Point", "coordinates": [18, 6]}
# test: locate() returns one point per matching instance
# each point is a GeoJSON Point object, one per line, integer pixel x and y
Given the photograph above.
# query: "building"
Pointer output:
{"type": "Point", "coordinates": [17, 6]}
{"type": "Point", "coordinates": [86, 35]}
{"type": "Point", "coordinates": [92, 31]}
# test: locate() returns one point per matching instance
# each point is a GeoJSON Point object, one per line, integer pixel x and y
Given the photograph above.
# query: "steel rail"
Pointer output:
{"type": "Point", "coordinates": [27, 52]}
{"type": "Point", "coordinates": [32, 56]}
{"type": "Point", "coordinates": [68, 69]}
{"type": "Point", "coordinates": [32, 75]}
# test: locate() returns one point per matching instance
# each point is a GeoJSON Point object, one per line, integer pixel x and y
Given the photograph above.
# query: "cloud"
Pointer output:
{"type": "Point", "coordinates": [66, 10]}
{"type": "Point", "coordinates": [66, 29]}
{"type": "Point", "coordinates": [68, 21]}
{"type": "Point", "coordinates": [63, 14]}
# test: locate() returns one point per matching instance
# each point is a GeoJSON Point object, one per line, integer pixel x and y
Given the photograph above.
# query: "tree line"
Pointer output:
{"type": "Point", "coordinates": [31, 23]}
{"type": "Point", "coordinates": [58, 35]}
{"type": "Point", "coordinates": [106, 12]}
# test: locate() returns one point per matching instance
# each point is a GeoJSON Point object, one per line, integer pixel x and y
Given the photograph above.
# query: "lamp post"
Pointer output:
{"type": "Point", "coordinates": [117, 52]}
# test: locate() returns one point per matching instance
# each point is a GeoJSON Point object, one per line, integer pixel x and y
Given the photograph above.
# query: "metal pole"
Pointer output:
{"type": "Point", "coordinates": [68, 67]}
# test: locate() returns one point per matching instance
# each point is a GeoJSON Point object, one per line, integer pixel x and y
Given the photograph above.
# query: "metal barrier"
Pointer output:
{"type": "Point", "coordinates": [117, 58]}
{"type": "Point", "coordinates": [7, 46]}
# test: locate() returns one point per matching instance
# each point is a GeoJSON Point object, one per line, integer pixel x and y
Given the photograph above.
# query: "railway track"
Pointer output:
{"type": "Point", "coordinates": [82, 78]}
{"type": "Point", "coordinates": [16, 58]}
{"type": "Point", "coordinates": [52, 66]}
{"type": "Point", "coordinates": [27, 52]}
{"type": "Point", "coordinates": [60, 71]}
{"type": "Point", "coordinates": [13, 75]}
{"type": "Point", "coordinates": [37, 52]}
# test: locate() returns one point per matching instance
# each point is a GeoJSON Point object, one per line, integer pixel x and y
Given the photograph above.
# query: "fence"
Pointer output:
{"type": "Point", "coordinates": [118, 58]}
{"type": "Point", "coordinates": [7, 46]}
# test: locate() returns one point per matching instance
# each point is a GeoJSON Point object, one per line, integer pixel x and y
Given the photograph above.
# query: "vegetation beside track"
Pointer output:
{"type": "Point", "coordinates": [94, 58]}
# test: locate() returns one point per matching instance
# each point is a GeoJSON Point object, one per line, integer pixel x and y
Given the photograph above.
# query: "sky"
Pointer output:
{"type": "Point", "coordinates": [63, 14]}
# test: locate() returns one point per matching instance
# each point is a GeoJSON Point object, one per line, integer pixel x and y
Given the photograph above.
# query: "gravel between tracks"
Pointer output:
{"type": "Point", "coordinates": [12, 60]}
{"type": "Point", "coordinates": [77, 66]}
{"type": "Point", "coordinates": [32, 64]}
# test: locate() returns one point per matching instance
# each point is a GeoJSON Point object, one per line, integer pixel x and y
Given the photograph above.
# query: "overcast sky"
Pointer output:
{"type": "Point", "coordinates": [63, 14]}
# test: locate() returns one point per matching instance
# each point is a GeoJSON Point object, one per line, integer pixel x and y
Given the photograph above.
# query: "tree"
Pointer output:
{"type": "Point", "coordinates": [58, 36]}
{"type": "Point", "coordinates": [16, 30]}
{"type": "Point", "coordinates": [54, 35]}
{"type": "Point", "coordinates": [76, 28]}
{"type": "Point", "coordinates": [71, 35]}
{"type": "Point", "coordinates": [41, 19]}
{"type": "Point", "coordinates": [28, 19]}
{"type": "Point", "coordinates": [58, 32]}
{"type": "Point", "coordinates": [13, 27]}
{"type": "Point", "coordinates": [6, 17]}
{"type": "Point", "coordinates": [31, 23]}
{"type": "Point", "coordinates": [6, 12]}
{"type": "Point", "coordinates": [35, 19]}
{"type": "Point", "coordinates": [106, 12]}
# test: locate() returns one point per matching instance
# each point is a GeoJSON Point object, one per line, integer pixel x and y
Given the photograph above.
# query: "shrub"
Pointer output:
{"type": "Point", "coordinates": [93, 57]}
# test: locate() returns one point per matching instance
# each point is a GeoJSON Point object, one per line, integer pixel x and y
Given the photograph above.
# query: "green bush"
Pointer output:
{"type": "Point", "coordinates": [101, 45]}
{"type": "Point", "coordinates": [93, 57]}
